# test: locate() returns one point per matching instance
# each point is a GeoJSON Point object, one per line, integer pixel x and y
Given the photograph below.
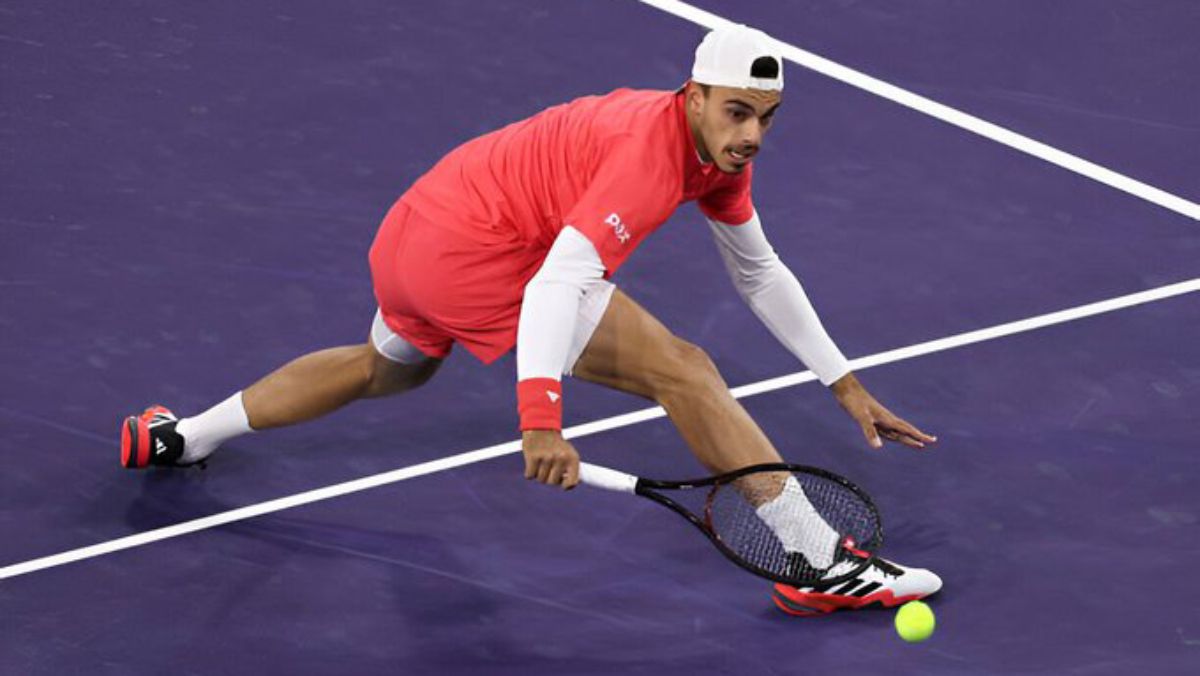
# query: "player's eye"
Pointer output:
{"type": "Point", "coordinates": [737, 114]}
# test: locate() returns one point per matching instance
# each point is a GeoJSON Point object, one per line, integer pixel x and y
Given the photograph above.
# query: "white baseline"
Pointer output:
{"type": "Point", "coordinates": [479, 455]}
{"type": "Point", "coordinates": [945, 113]}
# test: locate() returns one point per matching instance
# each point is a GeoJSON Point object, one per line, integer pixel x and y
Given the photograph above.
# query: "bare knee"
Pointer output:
{"type": "Point", "coordinates": [386, 377]}
{"type": "Point", "coordinates": [686, 373]}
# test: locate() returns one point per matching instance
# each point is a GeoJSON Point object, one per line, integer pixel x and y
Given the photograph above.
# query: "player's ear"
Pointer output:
{"type": "Point", "coordinates": [696, 96]}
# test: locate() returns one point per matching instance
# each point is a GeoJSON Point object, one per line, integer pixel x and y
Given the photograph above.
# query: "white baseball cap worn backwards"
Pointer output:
{"type": "Point", "coordinates": [739, 56]}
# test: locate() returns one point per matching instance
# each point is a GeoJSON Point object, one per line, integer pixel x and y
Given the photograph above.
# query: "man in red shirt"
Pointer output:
{"type": "Point", "coordinates": [510, 241]}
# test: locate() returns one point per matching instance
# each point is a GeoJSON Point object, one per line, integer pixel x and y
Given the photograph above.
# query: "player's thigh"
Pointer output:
{"type": "Point", "coordinates": [399, 363]}
{"type": "Point", "coordinates": [389, 377]}
{"type": "Point", "coordinates": [632, 351]}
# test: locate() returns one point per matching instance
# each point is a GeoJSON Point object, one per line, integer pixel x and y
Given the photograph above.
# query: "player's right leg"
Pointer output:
{"type": "Point", "coordinates": [631, 351]}
{"type": "Point", "coordinates": [303, 389]}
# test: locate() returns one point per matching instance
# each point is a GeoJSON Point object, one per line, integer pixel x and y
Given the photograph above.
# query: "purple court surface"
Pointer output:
{"type": "Point", "coordinates": [189, 191]}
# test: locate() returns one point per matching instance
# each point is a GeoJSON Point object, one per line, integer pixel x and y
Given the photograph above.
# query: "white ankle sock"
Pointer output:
{"type": "Point", "coordinates": [202, 434]}
{"type": "Point", "coordinates": [798, 525]}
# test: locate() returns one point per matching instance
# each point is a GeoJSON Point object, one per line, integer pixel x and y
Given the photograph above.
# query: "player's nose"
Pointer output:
{"type": "Point", "coordinates": [749, 143]}
{"type": "Point", "coordinates": [751, 136]}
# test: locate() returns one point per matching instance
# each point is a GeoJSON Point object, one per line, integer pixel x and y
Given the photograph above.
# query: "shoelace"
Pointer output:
{"type": "Point", "coordinates": [887, 568]}
{"type": "Point", "coordinates": [845, 566]}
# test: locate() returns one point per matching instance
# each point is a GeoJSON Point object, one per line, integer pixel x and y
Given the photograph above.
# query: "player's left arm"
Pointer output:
{"type": "Point", "coordinates": [776, 297]}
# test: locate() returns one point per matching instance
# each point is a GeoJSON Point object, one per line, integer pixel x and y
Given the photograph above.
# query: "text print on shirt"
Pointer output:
{"type": "Point", "coordinates": [619, 229]}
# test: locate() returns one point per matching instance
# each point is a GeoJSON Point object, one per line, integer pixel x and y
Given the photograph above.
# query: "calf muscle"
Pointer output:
{"type": "Point", "coordinates": [324, 381]}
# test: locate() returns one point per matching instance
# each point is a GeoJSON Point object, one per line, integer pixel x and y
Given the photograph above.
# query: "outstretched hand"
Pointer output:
{"type": "Point", "coordinates": [876, 421]}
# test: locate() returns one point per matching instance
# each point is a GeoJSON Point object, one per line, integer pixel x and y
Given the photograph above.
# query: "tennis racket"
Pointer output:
{"type": "Point", "coordinates": [831, 527]}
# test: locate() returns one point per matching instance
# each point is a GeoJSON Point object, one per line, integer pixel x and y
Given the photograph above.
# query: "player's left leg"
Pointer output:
{"type": "Point", "coordinates": [307, 387]}
{"type": "Point", "coordinates": [321, 382]}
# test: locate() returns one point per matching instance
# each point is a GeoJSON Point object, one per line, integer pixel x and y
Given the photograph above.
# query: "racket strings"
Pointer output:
{"type": "Point", "coordinates": [790, 524]}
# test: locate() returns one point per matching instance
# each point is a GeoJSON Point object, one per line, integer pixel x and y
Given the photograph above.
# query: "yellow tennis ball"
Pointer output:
{"type": "Point", "coordinates": [915, 621]}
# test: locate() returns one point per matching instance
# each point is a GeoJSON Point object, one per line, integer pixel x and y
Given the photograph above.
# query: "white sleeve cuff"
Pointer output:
{"type": "Point", "coordinates": [776, 297]}
{"type": "Point", "coordinates": [550, 308]}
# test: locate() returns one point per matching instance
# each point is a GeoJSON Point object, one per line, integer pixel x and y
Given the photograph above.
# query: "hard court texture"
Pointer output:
{"type": "Point", "coordinates": [189, 192]}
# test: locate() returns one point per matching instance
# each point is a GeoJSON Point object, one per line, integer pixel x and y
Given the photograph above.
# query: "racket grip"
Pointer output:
{"type": "Point", "coordinates": [608, 479]}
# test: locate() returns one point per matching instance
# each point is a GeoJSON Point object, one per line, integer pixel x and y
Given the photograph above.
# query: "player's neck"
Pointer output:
{"type": "Point", "coordinates": [698, 141]}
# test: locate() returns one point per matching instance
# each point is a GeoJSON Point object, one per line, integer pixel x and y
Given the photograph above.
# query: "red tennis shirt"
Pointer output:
{"type": "Point", "coordinates": [615, 167]}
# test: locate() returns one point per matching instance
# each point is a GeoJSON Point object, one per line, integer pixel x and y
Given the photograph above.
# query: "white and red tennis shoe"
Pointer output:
{"type": "Point", "coordinates": [882, 582]}
{"type": "Point", "coordinates": [151, 439]}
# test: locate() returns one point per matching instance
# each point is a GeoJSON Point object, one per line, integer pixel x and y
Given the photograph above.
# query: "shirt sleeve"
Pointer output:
{"type": "Point", "coordinates": [730, 202]}
{"type": "Point", "coordinates": [549, 313]}
{"type": "Point", "coordinates": [550, 307]}
{"type": "Point", "coordinates": [776, 297]}
{"type": "Point", "coordinates": [635, 189]}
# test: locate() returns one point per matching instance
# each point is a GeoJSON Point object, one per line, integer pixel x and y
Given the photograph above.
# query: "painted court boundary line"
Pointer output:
{"type": "Point", "coordinates": [479, 455]}
{"type": "Point", "coordinates": [953, 116]}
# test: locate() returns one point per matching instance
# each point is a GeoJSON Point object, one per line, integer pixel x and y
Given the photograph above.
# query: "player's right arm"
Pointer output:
{"type": "Point", "coordinates": [630, 194]}
{"type": "Point", "coordinates": [549, 313]}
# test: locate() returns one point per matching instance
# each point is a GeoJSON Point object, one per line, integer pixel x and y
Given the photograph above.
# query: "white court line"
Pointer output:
{"type": "Point", "coordinates": [586, 429]}
{"type": "Point", "coordinates": [945, 113]}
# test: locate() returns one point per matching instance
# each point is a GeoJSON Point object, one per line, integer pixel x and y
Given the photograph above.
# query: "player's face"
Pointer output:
{"type": "Point", "coordinates": [729, 124]}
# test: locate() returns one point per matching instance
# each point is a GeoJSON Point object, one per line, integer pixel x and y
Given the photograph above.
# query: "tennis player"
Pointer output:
{"type": "Point", "coordinates": [511, 241]}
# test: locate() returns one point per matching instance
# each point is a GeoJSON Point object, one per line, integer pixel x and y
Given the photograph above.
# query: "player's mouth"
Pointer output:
{"type": "Point", "coordinates": [741, 159]}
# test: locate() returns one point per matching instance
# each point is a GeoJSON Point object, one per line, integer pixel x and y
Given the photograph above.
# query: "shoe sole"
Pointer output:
{"type": "Point", "coordinates": [798, 610]}
{"type": "Point", "coordinates": [808, 604]}
{"type": "Point", "coordinates": [135, 444]}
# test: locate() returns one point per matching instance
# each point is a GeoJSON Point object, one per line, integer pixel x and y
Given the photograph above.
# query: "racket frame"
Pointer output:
{"type": "Point", "coordinates": [619, 481]}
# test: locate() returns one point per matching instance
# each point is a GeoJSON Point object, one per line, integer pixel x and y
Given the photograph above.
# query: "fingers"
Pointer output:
{"type": "Point", "coordinates": [912, 432]}
{"type": "Point", "coordinates": [553, 467]}
{"type": "Point", "coordinates": [900, 438]}
{"type": "Point", "coordinates": [531, 464]}
{"type": "Point", "coordinates": [899, 430]}
{"type": "Point", "coordinates": [564, 471]}
{"type": "Point", "coordinates": [559, 470]}
{"type": "Point", "coordinates": [877, 421]}
{"type": "Point", "coordinates": [918, 434]}
{"type": "Point", "coordinates": [545, 467]}
{"type": "Point", "coordinates": [872, 435]}
{"type": "Point", "coordinates": [570, 477]}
